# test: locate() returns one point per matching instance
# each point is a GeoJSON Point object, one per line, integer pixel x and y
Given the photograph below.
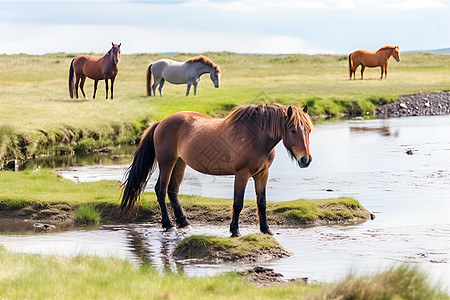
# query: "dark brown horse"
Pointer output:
{"type": "Point", "coordinates": [96, 68]}
{"type": "Point", "coordinates": [242, 144]}
{"type": "Point", "coordinates": [370, 59]}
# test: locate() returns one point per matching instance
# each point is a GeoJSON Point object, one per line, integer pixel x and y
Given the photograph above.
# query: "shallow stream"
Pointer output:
{"type": "Point", "coordinates": [399, 169]}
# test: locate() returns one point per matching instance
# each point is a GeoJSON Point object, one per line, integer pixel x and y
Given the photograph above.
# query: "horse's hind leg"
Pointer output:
{"type": "Point", "coordinates": [112, 87]}
{"type": "Point", "coordinates": [165, 171]}
{"type": "Point", "coordinates": [83, 79]}
{"type": "Point", "coordinates": [240, 183]}
{"type": "Point", "coordinates": [174, 186]}
{"type": "Point", "coordinates": [260, 188]}
{"type": "Point", "coordinates": [161, 85]}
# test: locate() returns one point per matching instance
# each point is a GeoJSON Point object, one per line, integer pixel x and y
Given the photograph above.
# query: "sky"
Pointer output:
{"type": "Point", "coordinates": [248, 26]}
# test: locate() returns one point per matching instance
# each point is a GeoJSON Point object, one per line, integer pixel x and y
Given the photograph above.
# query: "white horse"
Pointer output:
{"type": "Point", "coordinates": [177, 73]}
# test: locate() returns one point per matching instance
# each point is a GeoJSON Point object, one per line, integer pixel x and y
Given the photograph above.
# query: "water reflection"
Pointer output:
{"type": "Point", "coordinates": [384, 131]}
{"type": "Point", "coordinates": [114, 155]}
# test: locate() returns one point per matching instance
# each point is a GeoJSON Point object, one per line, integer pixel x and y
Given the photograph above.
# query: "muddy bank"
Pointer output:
{"type": "Point", "coordinates": [422, 104]}
{"type": "Point", "coordinates": [60, 216]}
{"type": "Point", "coordinates": [261, 276]}
{"type": "Point", "coordinates": [36, 217]}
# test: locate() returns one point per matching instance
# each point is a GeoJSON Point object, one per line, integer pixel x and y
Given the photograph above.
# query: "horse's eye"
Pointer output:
{"type": "Point", "coordinates": [293, 131]}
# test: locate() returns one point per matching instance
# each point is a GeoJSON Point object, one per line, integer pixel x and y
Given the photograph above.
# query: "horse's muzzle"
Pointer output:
{"type": "Point", "coordinates": [304, 161]}
{"type": "Point", "coordinates": [398, 60]}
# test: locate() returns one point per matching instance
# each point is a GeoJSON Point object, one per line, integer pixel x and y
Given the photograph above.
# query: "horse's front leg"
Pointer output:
{"type": "Point", "coordinates": [363, 67]}
{"type": "Point", "coordinates": [260, 188]}
{"type": "Point", "coordinates": [95, 88]}
{"type": "Point", "coordinates": [240, 183]}
{"type": "Point", "coordinates": [188, 88]}
{"type": "Point", "coordinates": [112, 87]}
{"type": "Point", "coordinates": [195, 88]}
{"type": "Point", "coordinates": [106, 85]}
{"type": "Point", "coordinates": [174, 186]}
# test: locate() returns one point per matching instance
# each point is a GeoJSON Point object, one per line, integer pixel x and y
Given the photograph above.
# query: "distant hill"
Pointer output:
{"type": "Point", "coordinates": [435, 51]}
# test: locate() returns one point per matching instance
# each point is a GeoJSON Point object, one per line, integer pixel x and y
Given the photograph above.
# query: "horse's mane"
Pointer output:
{"type": "Point", "coordinates": [205, 60]}
{"type": "Point", "coordinates": [271, 117]}
{"type": "Point", "coordinates": [387, 47]}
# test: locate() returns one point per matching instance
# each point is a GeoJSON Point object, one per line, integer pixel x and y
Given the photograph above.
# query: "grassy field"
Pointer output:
{"type": "Point", "coordinates": [37, 115]}
{"type": "Point", "coordinates": [27, 276]}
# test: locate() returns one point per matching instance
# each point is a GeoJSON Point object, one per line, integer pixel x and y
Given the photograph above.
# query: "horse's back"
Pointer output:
{"type": "Point", "coordinates": [90, 66]}
{"type": "Point", "coordinates": [197, 139]}
{"type": "Point", "coordinates": [170, 70]}
{"type": "Point", "coordinates": [365, 57]}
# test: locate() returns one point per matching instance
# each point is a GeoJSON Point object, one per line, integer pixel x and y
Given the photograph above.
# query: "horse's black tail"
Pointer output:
{"type": "Point", "coordinates": [149, 80]}
{"type": "Point", "coordinates": [138, 173]}
{"type": "Point", "coordinates": [71, 79]}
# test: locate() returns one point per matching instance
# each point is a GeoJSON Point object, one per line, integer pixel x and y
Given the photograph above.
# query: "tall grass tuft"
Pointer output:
{"type": "Point", "coordinates": [404, 282]}
{"type": "Point", "coordinates": [86, 214]}
{"type": "Point", "coordinates": [7, 143]}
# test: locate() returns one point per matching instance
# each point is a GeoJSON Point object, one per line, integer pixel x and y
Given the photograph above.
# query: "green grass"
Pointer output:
{"type": "Point", "coordinates": [45, 186]}
{"type": "Point", "coordinates": [35, 103]}
{"type": "Point", "coordinates": [26, 276]}
{"type": "Point", "coordinates": [202, 246]}
{"type": "Point", "coordinates": [86, 215]}
{"type": "Point", "coordinates": [94, 200]}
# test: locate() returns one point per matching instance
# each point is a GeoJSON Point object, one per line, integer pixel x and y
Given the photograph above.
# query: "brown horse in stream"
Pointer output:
{"type": "Point", "coordinates": [96, 68]}
{"type": "Point", "coordinates": [379, 58]}
{"type": "Point", "coordinates": [242, 144]}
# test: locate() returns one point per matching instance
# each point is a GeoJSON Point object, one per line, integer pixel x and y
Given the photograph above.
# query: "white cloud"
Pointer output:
{"type": "Point", "coordinates": [73, 39]}
{"type": "Point", "coordinates": [416, 4]}
{"type": "Point", "coordinates": [253, 6]}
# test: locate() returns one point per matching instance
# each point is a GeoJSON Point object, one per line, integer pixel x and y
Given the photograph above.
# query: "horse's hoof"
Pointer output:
{"type": "Point", "coordinates": [170, 229]}
{"type": "Point", "coordinates": [235, 234]}
{"type": "Point", "coordinates": [183, 223]}
{"type": "Point", "coordinates": [267, 231]}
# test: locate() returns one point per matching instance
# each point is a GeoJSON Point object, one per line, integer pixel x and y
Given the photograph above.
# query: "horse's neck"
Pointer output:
{"type": "Point", "coordinates": [387, 53]}
{"type": "Point", "coordinates": [201, 68]}
{"type": "Point", "coordinates": [108, 61]}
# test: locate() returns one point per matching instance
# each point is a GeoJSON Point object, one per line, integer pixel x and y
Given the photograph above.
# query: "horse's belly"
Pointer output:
{"type": "Point", "coordinates": [209, 159]}
{"type": "Point", "coordinates": [174, 74]}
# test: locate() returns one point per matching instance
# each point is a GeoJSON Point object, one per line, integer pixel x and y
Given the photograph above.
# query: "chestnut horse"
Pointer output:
{"type": "Point", "coordinates": [242, 144]}
{"type": "Point", "coordinates": [176, 72]}
{"type": "Point", "coordinates": [96, 68]}
{"type": "Point", "coordinates": [370, 59]}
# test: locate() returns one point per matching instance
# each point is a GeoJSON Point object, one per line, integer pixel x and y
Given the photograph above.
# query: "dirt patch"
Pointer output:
{"type": "Point", "coordinates": [36, 218]}
{"type": "Point", "coordinates": [422, 104]}
{"type": "Point", "coordinates": [261, 276]}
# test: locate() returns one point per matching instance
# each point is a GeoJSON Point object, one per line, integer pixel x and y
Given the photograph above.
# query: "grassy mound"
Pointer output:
{"type": "Point", "coordinates": [255, 247]}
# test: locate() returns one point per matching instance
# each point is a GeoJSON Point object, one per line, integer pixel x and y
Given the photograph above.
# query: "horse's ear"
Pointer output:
{"type": "Point", "coordinates": [305, 109]}
{"type": "Point", "coordinates": [289, 112]}
{"type": "Point", "coordinates": [112, 44]}
{"type": "Point", "coordinates": [120, 45]}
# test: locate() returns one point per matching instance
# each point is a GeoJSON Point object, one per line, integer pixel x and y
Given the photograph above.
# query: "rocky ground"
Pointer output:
{"type": "Point", "coordinates": [422, 104]}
